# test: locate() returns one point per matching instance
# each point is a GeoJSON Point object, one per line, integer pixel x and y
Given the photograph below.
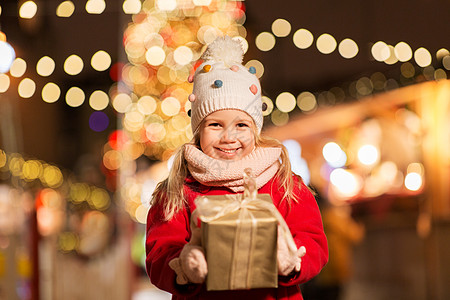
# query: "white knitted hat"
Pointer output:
{"type": "Point", "coordinates": [222, 82]}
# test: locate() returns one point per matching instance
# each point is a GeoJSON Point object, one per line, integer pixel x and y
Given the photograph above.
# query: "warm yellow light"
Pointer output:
{"type": "Point", "coordinates": [146, 105]}
{"type": "Point", "coordinates": [285, 102]}
{"type": "Point", "coordinates": [306, 101]}
{"type": "Point", "coordinates": [334, 155]}
{"type": "Point", "coordinates": [170, 106]}
{"type": "Point", "coordinates": [155, 132]}
{"type": "Point", "coordinates": [26, 88]}
{"type": "Point", "coordinates": [45, 66]}
{"type": "Point", "coordinates": [133, 121]}
{"type": "Point", "coordinates": [18, 67]}
{"type": "Point", "coordinates": [403, 51]}
{"type": "Point", "coordinates": [65, 9]}
{"type": "Point", "coordinates": [31, 169]}
{"type": "Point", "coordinates": [441, 53]}
{"type": "Point", "coordinates": [131, 6]}
{"type": "Point", "coordinates": [380, 51]}
{"type": "Point", "coordinates": [4, 83]}
{"type": "Point", "coordinates": [51, 92]}
{"type": "Point", "coordinates": [101, 60]}
{"type": "Point", "coordinates": [348, 48]}
{"type": "Point", "coordinates": [95, 6]}
{"type": "Point", "coordinates": [73, 65]}
{"type": "Point", "coordinates": [281, 28]}
{"type": "Point", "coordinates": [202, 2]}
{"type": "Point", "coordinates": [155, 55]}
{"type": "Point", "coordinates": [52, 176]}
{"type": "Point", "coordinates": [440, 74]}
{"type": "Point", "coordinates": [28, 10]}
{"type": "Point", "coordinates": [422, 57]}
{"type": "Point", "coordinates": [112, 159]}
{"type": "Point", "coordinates": [326, 43]}
{"type": "Point", "coordinates": [303, 38]}
{"type": "Point", "coordinates": [392, 59]}
{"type": "Point", "coordinates": [413, 181]}
{"type": "Point", "coordinates": [141, 214]}
{"type": "Point", "coordinates": [265, 41]}
{"type": "Point", "coordinates": [122, 102]}
{"type": "Point", "coordinates": [345, 183]}
{"type": "Point", "coordinates": [183, 55]}
{"type": "Point", "coordinates": [279, 118]}
{"type": "Point", "coordinates": [368, 155]}
{"type": "Point", "coordinates": [446, 62]}
{"type": "Point", "coordinates": [99, 199]}
{"type": "Point", "coordinates": [75, 97]}
{"type": "Point", "coordinates": [166, 5]}
{"type": "Point", "coordinates": [243, 42]}
{"type": "Point", "coordinates": [259, 67]}
{"type": "Point", "coordinates": [98, 100]}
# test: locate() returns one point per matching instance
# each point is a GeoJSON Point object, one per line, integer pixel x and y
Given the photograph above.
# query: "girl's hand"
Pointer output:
{"type": "Point", "coordinates": [191, 265]}
{"type": "Point", "coordinates": [287, 261]}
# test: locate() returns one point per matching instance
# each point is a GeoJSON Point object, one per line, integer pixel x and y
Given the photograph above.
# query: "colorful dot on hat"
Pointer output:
{"type": "Point", "coordinates": [234, 68]}
{"type": "Point", "coordinates": [252, 70]}
{"type": "Point", "coordinates": [218, 83]}
{"type": "Point", "coordinates": [264, 106]}
{"type": "Point", "coordinates": [191, 78]}
{"type": "Point", "coordinates": [253, 89]}
{"type": "Point", "coordinates": [207, 68]}
{"type": "Point", "coordinates": [192, 97]}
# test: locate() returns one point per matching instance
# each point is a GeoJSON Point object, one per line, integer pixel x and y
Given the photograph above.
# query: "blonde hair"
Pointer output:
{"type": "Point", "coordinates": [170, 192]}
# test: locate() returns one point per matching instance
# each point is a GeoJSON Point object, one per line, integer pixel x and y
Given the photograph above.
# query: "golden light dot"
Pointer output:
{"type": "Point", "coordinates": [380, 51]}
{"type": "Point", "coordinates": [326, 43]}
{"type": "Point", "coordinates": [131, 7]}
{"type": "Point", "coordinates": [403, 51]}
{"type": "Point", "coordinates": [99, 199]}
{"type": "Point", "coordinates": [101, 60]}
{"type": "Point", "coordinates": [348, 48]}
{"type": "Point", "coordinates": [146, 105]}
{"type": "Point", "coordinates": [51, 92]}
{"type": "Point", "coordinates": [303, 38]}
{"type": "Point", "coordinates": [422, 57]}
{"type": "Point", "coordinates": [166, 5]}
{"type": "Point", "coordinates": [183, 55]}
{"type": "Point", "coordinates": [202, 2]}
{"type": "Point", "coordinates": [446, 62]}
{"type": "Point", "coordinates": [73, 65]}
{"type": "Point", "coordinates": [392, 59]}
{"type": "Point", "coordinates": [279, 118]}
{"type": "Point", "coordinates": [112, 159]}
{"type": "Point", "coordinates": [98, 100]}
{"type": "Point", "coordinates": [122, 102]}
{"type": "Point", "coordinates": [28, 10]}
{"type": "Point", "coordinates": [259, 67]}
{"type": "Point", "coordinates": [26, 88]}
{"type": "Point", "coordinates": [265, 41]}
{"type": "Point", "coordinates": [440, 74]}
{"type": "Point", "coordinates": [170, 106]}
{"type": "Point", "coordinates": [281, 28]}
{"type": "Point", "coordinates": [95, 6]}
{"type": "Point", "coordinates": [285, 102]}
{"type": "Point", "coordinates": [52, 176]}
{"type": "Point", "coordinates": [407, 70]}
{"type": "Point", "coordinates": [141, 214]}
{"type": "Point", "coordinates": [269, 104]}
{"type": "Point", "coordinates": [243, 42]}
{"type": "Point", "coordinates": [75, 97]}
{"type": "Point", "coordinates": [65, 9]}
{"type": "Point", "coordinates": [4, 83]}
{"type": "Point", "coordinates": [3, 158]}
{"type": "Point", "coordinates": [67, 241]}
{"type": "Point", "coordinates": [441, 53]}
{"type": "Point", "coordinates": [79, 192]}
{"type": "Point", "coordinates": [155, 55]}
{"type": "Point", "coordinates": [18, 67]}
{"type": "Point", "coordinates": [306, 101]}
{"type": "Point", "coordinates": [45, 66]}
{"type": "Point", "coordinates": [31, 169]}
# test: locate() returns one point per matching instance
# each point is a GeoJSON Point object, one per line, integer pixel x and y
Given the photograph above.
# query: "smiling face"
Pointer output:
{"type": "Point", "coordinates": [227, 134]}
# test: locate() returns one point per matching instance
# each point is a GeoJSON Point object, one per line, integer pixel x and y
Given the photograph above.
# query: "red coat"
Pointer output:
{"type": "Point", "coordinates": [166, 239]}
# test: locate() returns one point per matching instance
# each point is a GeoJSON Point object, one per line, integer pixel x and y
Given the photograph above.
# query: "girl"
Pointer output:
{"type": "Point", "coordinates": [226, 120]}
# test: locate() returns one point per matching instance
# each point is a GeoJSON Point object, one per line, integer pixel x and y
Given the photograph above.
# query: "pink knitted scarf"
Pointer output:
{"type": "Point", "coordinates": [209, 171]}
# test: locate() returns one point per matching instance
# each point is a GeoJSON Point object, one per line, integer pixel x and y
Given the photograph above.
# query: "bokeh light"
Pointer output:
{"type": "Point", "coordinates": [28, 10]}
{"type": "Point", "coordinates": [146, 105]}
{"type": "Point", "coordinates": [45, 66]}
{"type": "Point", "coordinates": [75, 97]}
{"type": "Point", "coordinates": [326, 43]}
{"type": "Point", "coordinates": [259, 67]}
{"type": "Point", "coordinates": [101, 60]}
{"type": "Point", "coordinates": [7, 56]}
{"type": "Point", "coordinates": [346, 183]}
{"type": "Point", "coordinates": [166, 5]}
{"type": "Point", "coordinates": [155, 55]}
{"type": "Point", "coordinates": [285, 102]}
{"type": "Point", "coordinates": [281, 28]}
{"type": "Point", "coordinates": [131, 6]}
{"type": "Point", "coordinates": [98, 100]}
{"type": "Point", "coordinates": [380, 51]}
{"type": "Point", "coordinates": [65, 9]}
{"type": "Point", "coordinates": [51, 92]}
{"type": "Point", "coordinates": [4, 83]}
{"type": "Point", "coordinates": [26, 88]}
{"type": "Point", "coordinates": [413, 181]}
{"type": "Point", "coordinates": [306, 101]}
{"type": "Point", "coordinates": [267, 101]}
{"type": "Point", "coordinates": [121, 102]}
{"type": "Point", "coordinates": [422, 57]}
{"type": "Point", "coordinates": [18, 67]}
{"type": "Point", "coordinates": [303, 38]}
{"type": "Point", "coordinates": [265, 41]}
{"type": "Point", "coordinates": [183, 55]}
{"type": "Point", "coordinates": [403, 51]}
{"type": "Point", "coordinates": [73, 65]}
{"type": "Point", "coordinates": [98, 121]}
{"type": "Point", "coordinates": [348, 48]}
{"type": "Point", "coordinates": [368, 154]}
{"type": "Point", "coordinates": [334, 155]}
{"type": "Point", "coordinates": [95, 6]}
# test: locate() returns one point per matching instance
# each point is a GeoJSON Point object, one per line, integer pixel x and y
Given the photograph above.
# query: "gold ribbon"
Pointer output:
{"type": "Point", "coordinates": [208, 210]}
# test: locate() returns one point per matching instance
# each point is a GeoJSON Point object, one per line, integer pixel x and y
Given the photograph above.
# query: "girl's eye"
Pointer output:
{"type": "Point", "coordinates": [242, 125]}
{"type": "Point", "coordinates": [214, 124]}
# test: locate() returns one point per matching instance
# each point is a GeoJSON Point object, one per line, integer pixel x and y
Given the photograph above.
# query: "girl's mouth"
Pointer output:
{"type": "Point", "coordinates": [228, 151]}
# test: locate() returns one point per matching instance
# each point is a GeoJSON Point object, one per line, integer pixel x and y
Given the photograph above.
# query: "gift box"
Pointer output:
{"type": "Point", "coordinates": [240, 241]}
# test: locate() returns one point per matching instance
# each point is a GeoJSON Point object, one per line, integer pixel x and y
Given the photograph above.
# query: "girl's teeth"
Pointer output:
{"type": "Point", "coordinates": [228, 151]}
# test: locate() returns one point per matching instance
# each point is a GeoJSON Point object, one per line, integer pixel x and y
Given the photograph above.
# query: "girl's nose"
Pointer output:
{"type": "Point", "coordinates": [228, 135]}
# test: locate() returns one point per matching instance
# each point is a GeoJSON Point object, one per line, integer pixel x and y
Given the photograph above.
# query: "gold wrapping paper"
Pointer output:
{"type": "Point", "coordinates": [241, 248]}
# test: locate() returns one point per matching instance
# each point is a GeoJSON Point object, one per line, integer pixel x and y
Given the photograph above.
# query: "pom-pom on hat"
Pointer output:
{"type": "Point", "coordinates": [222, 82]}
